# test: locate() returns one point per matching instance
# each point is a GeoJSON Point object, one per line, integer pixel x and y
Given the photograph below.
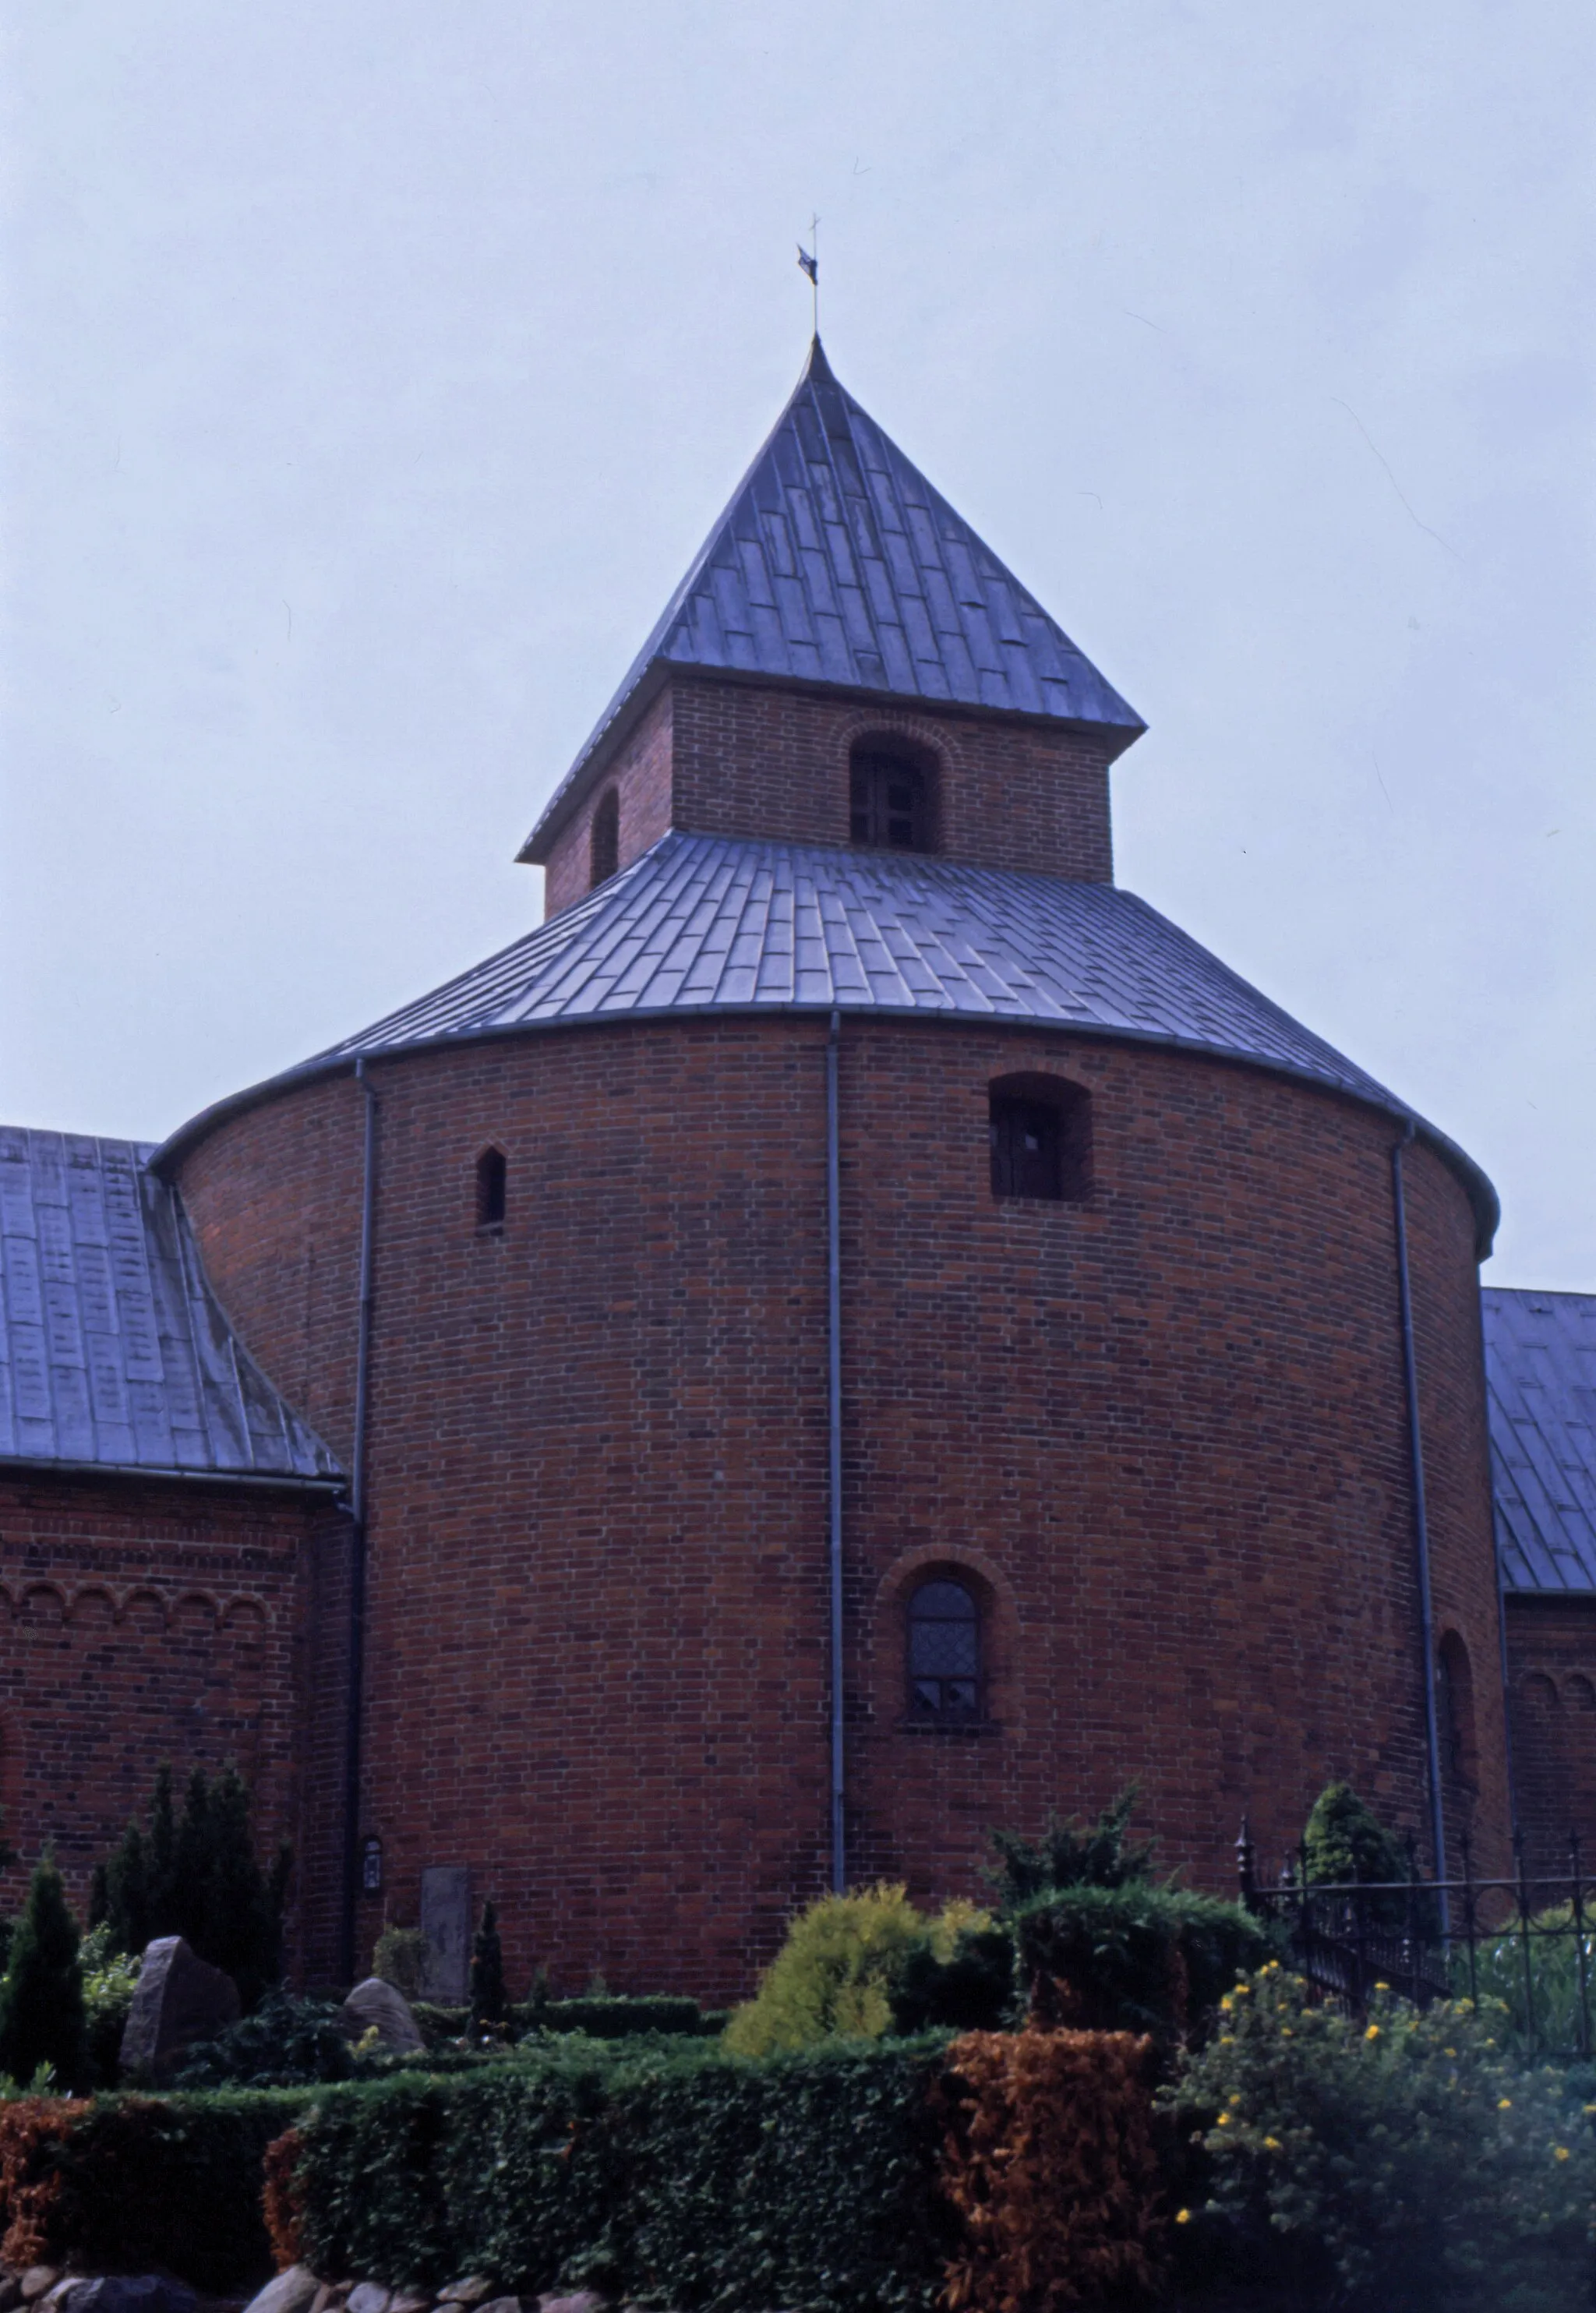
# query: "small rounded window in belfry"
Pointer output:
{"type": "Point", "coordinates": [604, 840]}
{"type": "Point", "coordinates": [944, 1652]}
{"type": "Point", "coordinates": [891, 796]}
{"type": "Point", "coordinates": [493, 1178]}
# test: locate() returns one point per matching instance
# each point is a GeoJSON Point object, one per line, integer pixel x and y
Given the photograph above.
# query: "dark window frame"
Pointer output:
{"type": "Point", "coordinates": [955, 1695]}
{"type": "Point", "coordinates": [892, 795]}
{"type": "Point", "coordinates": [493, 1183]}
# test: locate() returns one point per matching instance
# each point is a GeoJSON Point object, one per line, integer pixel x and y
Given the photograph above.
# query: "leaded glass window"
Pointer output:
{"type": "Point", "coordinates": [944, 1652]}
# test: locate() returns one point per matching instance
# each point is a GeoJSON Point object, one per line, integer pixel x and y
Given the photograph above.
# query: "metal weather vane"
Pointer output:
{"type": "Point", "coordinates": [809, 261]}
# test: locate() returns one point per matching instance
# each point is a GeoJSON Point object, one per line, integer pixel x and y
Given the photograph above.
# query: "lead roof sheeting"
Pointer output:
{"type": "Point", "coordinates": [1540, 1379]}
{"type": "Point", "coordinates": [706, 923]}
{"type": "Point", "coordinates": [837, 562]}
{"type": "Point", "coordinates": [113, 1349]}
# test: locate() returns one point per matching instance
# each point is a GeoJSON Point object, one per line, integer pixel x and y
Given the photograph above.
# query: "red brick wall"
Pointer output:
{"type": "Point", "coordinates": [726, 757]}
{"type": "Point", "coordinates": [640, 776]}
{"type": "Point", "coordinates": [1164, 1430]}
{"type": "Point", "coordinates": [1458, 1489]}
{"type": "Point", "coordinates": [142, 1622]}
{"type": "Point", "coordinates": [1551, 1658]}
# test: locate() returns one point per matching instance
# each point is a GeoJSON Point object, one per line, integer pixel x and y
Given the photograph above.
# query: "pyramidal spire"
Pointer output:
{"type": "Point", "coordinates": [835, 562]}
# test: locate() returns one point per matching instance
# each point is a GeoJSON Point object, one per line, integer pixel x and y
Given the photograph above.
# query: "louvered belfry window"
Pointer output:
{"type": "Point", "coordinates": [889, 802]}
{"type": "Point", "coordinates": [944, 1652]}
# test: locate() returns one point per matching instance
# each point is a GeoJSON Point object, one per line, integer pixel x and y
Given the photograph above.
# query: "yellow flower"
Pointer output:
{"type": "Point", "coordinates": [1453, 2051]}
{"type": "Point", "coordinates": [1588, 2108]}
{"type": "Point", "coordinates": [1285, 2032]}
{"type": "Point", "coordinates": [1382, 1987]}
{"type": "Point", "coordinates": [1227, 2003]}
{"type": "Point", "coordinates": [1227, 2039]}
{"type": "Point", "coordinates": [1373, 2033]}
{"type": "Point", "coordinates": [1560, 2152]}
{"type": "Point", "coordinates": [1183, 2216]}
{"type": "Point", "coordinates": [1505, 2105]}
{"type": "Point", "coordinates": [1224, 2119]}
{"type": "Point", "coordinates": [1273, 2144]}
{"type": "Point", "coordinates": [1243, 1991]}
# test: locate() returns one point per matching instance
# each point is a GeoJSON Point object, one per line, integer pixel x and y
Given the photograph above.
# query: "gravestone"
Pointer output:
{"type": "Point", "coordinates": [446, 1923]}
{"type": "Point", "coordinates": [178, 2000]}
{"type": "Point", "coordinates": [376, 2003]}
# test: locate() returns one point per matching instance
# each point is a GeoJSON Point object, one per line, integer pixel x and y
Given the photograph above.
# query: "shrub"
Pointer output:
{"type": "Point", "coordinates": [846, 1962]}
{"type": "Point", "coordinates": [197, 1876]}
{"type": "Point", "coordinates": [401, 1959]}
{"type": "Point", "coordinates": [1072, 1855]}
{"type": "Point", "coordinates": [287, 2043]}
{"type": "Point", "coordinates": [125, 2184]}
{"type": "Point", "coordinates": [1405, 2160]}
{"type": "Point", "coordinates": [110, 1979]}
{"type": "Point", "coordinates": [41, 1993]}
{"type": "Point", "coordinates": [490, 2003]}
{"type": "Point", "coordinates": [1345, 1844]}
{"type": "Point", "coordinates": [1134, 1958]}
{"type": "Point", "coordinates": [1551, 2015]}
{"type": "Point", "coordinates": [1051, 2164]}
{"type": "Point", "coordinates": [683, 2177]}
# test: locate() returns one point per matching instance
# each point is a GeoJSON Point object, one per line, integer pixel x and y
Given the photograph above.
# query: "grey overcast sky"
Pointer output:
{"type": "Point", "coordinates": [371, 370]}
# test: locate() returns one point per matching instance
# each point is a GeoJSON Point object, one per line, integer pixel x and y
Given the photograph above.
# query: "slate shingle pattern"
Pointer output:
{"type": "Point", "coordinates": [113, 1349]}
{"type": "Point", "coordinates": [1540, 1379]}
{"type": "Point", "coordinates": [838, 562]}
{"type": "Point", "coordinates": [717, 922]}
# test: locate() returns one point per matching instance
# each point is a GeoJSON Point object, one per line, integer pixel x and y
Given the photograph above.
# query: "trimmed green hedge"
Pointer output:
{"type": "Point", "coordinates": [124, 2184]}
{"type": "Point", "coordinates": [1135, 1958]}
{"type": "Point", "coordinates": [603, 2016]}
{"type": "Point", "coordinates": [689, 2177]}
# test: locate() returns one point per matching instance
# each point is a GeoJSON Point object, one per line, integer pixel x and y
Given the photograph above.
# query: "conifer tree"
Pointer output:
{"type": "Point", "coordinates": [41, 1993]}
{"type": "Point", "coordinates": [196, 1876]}
{"type": "Point", "coordinates": [490, 2009]}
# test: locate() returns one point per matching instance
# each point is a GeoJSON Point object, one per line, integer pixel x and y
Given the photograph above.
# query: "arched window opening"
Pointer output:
{"type": "Point", "coordinates": [1455, 1697]}
{"type": "Point", "coordinates": [1039, 1131]}
{"type": "Point", "coordinates": [944, 1653]}
{"type": "Point", "coordinates": [891, 796]}
{"type": "Point", "coordinates": [492, 1173]}
{"type": "Point", "coordinates": [604, 838]}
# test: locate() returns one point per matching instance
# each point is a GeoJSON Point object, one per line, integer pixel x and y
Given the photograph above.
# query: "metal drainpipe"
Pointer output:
{"type": "Point", "coordinates": [834, 1428]}
{"type": "Point", "coordinates": [1420, 1516]}
{"type": "Point", "coordinates": [357, 1504]}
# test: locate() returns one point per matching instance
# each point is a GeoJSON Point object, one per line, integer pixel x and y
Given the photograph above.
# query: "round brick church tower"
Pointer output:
{"type": "Point", "coordinates": [868, 1333]}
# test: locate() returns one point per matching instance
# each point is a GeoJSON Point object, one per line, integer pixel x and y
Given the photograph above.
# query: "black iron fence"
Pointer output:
{"type": "Point", "coordinates": [1529, 1940]}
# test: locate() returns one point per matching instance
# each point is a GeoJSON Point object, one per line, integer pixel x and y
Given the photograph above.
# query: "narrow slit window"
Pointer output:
{"type": "Point", "coordinates": [492, 1173]}
{"type": "Point", "coordinates": [604, 840]}
{"type": "Point", "coordinates": [944, 1653]}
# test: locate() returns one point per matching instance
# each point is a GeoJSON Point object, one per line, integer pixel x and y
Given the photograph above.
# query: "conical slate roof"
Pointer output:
{"type": "Point", "coordinates": [715, 924]}
{"type": "Point", "coordinates": [837, 562]}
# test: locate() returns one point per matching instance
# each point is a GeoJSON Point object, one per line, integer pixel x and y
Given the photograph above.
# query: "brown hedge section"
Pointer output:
{"type": "Point", "coordinates": [127, 2183]}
